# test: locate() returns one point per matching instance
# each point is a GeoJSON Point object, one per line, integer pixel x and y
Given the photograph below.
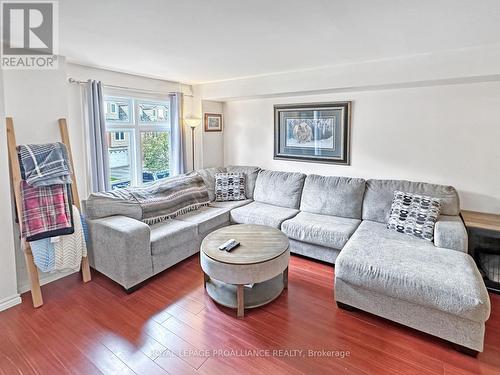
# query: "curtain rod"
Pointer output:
{"type": "Point", "coordinates": [74, 81]}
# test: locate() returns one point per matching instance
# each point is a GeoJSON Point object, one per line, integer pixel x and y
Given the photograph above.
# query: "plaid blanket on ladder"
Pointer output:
{"type": "Point", "coordinates": [46, 211]}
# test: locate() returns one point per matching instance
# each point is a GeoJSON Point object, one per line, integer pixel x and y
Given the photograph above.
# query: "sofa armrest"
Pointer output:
{"type": "Point", "coordinates": [450, 233]}
{"type": "Point", "coordinates": [120, 248]}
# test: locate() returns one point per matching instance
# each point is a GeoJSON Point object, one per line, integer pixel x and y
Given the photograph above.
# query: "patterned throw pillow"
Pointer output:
{"type": "Point", "coordinates": [229, 187]}
{"type": "Point", "coordinates": [414, 214]}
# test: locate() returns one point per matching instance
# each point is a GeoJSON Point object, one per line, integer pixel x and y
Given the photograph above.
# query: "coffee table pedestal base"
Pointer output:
{"type": "Point", "coordinates": [241, 297]}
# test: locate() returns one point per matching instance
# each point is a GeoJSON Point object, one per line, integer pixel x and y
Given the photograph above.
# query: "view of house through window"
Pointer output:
{"type": "Point", "coordinates": [138, 140]}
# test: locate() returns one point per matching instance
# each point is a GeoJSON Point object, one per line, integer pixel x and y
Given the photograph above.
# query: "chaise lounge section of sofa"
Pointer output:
{"type": "Point", "coordinates": [433, 287]}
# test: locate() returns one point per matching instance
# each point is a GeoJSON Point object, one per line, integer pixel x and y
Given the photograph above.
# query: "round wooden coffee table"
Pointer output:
{"type": "Point", "coordinates": [251, 275]}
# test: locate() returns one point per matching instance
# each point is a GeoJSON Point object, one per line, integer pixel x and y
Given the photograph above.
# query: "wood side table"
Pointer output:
{"type": "Point", "coordinates": [483, 230]}
{"type": "Point", "coordinates": [482, 221]}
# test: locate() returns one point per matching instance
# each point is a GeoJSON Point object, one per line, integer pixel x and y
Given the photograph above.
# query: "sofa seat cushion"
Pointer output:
{"type": "Point", "coordinates": [263, 214]}
{"type": "Point", "coordinates": [413, 270]}
{"type": "Point", "coordinates": [323, 230]}
{"type": "Point", "coordinates": [206, 218]}
{"type": "Point", "coordinates": [171, 233]}
{"type": "Point", "coordinates": [228, 206]}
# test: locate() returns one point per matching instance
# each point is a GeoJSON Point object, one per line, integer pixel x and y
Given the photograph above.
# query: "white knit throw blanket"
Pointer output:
{"type": "Point", "coordinates": [70, 249]}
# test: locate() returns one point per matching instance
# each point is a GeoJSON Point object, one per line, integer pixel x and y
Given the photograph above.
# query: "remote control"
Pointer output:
{"type": "Point", "coordinates": [232, 246]}
{"type": "Point", "coordinates": [226, 244]}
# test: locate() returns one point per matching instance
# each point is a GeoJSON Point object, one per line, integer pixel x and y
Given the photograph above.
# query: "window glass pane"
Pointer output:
{"type": "Point", "coordinates": [120, 158]}
{"type": "Point", "coordinates": [155, 155]}
{"type": "Point", "coordinates": [153, 112]}
{"type": "Point", "coordinates": [117, 110]}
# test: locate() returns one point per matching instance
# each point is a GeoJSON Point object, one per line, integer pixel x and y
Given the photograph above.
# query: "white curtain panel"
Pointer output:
{"type": "Point", "coordinates": [178, 162]}
{"type": "Point", "coordinates": [98, 146]}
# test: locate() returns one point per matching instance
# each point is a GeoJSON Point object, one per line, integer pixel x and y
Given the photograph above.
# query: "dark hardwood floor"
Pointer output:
{"type": "Point", "coordinates": [171, 326]}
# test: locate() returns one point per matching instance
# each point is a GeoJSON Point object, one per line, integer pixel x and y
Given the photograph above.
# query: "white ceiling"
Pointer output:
{"type": "Point", "coordinates": [199, 41]}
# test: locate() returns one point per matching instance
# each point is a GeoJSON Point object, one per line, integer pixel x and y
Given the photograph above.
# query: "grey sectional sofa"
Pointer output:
{"type": "Point", "coordinates": [433, 287]}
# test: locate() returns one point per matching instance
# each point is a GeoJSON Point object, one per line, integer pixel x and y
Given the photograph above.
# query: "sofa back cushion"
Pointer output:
{"type": "Point", "coordinates": [208, 175]}
{"type": "Point", "coordinates": [335, 196]}
{"type": "Point", "coordinates": [251, 174]}
{"type": "Point", "coordinates": [379, 194]}
{"type": "Point", "coordinates": [282, 189]}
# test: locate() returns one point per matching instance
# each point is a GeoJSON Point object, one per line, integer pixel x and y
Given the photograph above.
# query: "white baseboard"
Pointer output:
{"type": "Point", "coordinates": [45, 278]}
{"type": "Point", "coordinates": [9, 302]}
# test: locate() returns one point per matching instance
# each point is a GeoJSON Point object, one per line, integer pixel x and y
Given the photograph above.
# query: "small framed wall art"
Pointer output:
{"type": "Point", "coordinates": [213, 122]}
{"type": "Point", "coordinates": [314, 132]}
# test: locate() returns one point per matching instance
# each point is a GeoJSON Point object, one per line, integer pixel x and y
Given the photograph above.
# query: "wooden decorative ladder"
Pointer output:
{"type": "Point", "coordinates": [36, 293]}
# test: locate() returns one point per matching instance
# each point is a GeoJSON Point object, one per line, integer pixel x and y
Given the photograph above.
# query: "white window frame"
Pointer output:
{"type": "Point", "coordinates": [135, 126]}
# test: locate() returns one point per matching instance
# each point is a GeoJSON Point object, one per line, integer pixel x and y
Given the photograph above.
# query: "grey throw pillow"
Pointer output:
{"type": "Point", "coordinates": [414, 214]}
{"type": "Point", "coordinates": [230, 187]}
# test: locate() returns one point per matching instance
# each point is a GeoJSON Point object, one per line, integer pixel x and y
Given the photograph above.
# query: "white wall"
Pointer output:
{"type": "Point", "coordinates": [209, 146]}
{"type": "Point", "coordinates": [446, 134]}
{"type": "Point", "coordinates": [8, 283]}
{"type": "Point", "coordinates": [437, 68]}
{"type": "Point", "coordinates": [36, 100]}
{"type": "Point", "coordinates": [213, 142]}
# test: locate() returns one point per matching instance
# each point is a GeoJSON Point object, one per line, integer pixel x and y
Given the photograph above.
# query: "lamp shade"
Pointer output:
{"type": "Point", "coordinates": [192, 122]}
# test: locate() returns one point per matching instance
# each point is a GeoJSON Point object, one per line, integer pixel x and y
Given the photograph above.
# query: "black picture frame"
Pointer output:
{"type": "Point", "coordinates": [313, 132]}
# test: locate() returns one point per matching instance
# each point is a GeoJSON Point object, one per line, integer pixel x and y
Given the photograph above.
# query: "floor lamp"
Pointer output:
{"type": "Point", "coordinates": [192, 123]}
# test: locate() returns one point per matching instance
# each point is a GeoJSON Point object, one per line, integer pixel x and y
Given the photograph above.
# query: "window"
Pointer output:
{"type": "Point", "coordinates": [138, 140]}
{"type": "Point", "coordinates": [151, 113]}
{"type": "Point", "coordinates": [117, 110]}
